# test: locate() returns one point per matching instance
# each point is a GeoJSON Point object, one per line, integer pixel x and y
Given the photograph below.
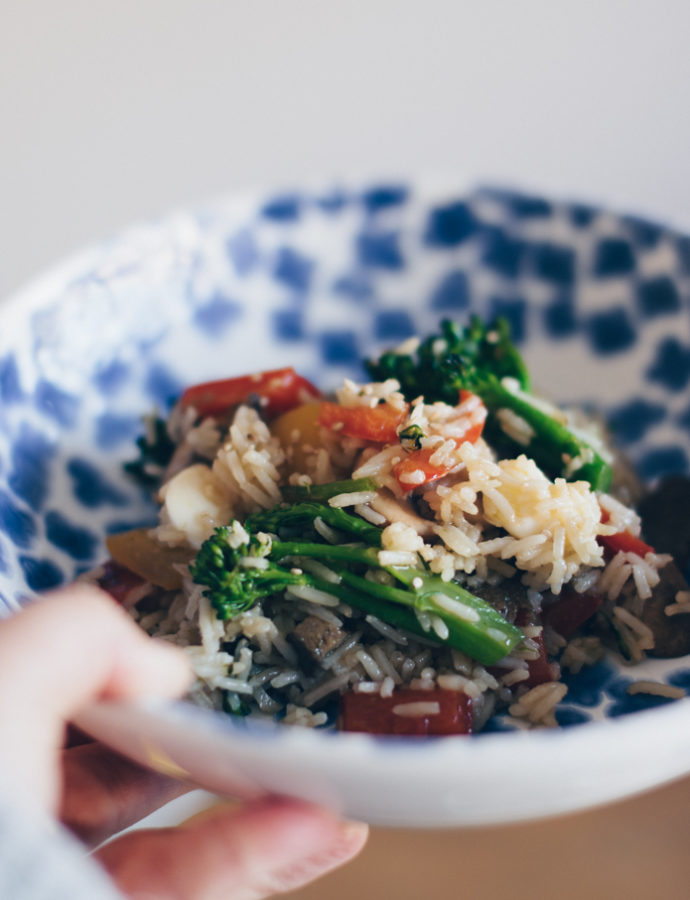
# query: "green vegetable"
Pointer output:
{"type": "Point", "coordinates": [293, 493]}
{"type": "Point", "coordinates": [477, 358]}
{"type": "Point", "coordinates": [155, 452]}
{"type": "Point", "coordinates": [411, 437]}
{"type": "Point", "coordinates": [300, 517]}
{"type": "Point", "coordinates": [237, 574]}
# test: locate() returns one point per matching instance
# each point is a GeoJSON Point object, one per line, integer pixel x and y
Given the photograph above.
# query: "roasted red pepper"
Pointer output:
{"type": "Point", "coordinates": [278, 390]}
{"type": "Point", "coordinates": [539, 669]}
{"type": "Point", "coordinates": [570, 610]}
{"type": "Point", "coordinates": [118, 581]}
{"type": "Point", "coordinates": [374, 714]}
{"type": "Point", "coordinates": [624, 542]}
{"type": "Point", "coordinates": [418, 461]}
{"type": "Point", "coordinates": [379, 424]}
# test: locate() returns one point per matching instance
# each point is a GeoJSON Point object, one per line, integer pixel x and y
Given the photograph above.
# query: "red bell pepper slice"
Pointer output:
{"type": "Point", "coordinates": [373, 714]}
{"type": "Point", "coordinates": [379, 424]}
{"type": "Point", "coordinates": [570, 610]}
{"type": "Point", "coordinates": [624, 542]}
{"type": "Point", "coordinates": [279, 390]}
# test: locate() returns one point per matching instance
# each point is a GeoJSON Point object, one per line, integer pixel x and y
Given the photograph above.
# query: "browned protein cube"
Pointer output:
{"type": "Point", "coordinates": [317, 637]}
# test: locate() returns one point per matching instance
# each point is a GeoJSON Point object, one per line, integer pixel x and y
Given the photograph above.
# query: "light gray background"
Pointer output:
{"type": "Point", "coordinates": [116, 110]}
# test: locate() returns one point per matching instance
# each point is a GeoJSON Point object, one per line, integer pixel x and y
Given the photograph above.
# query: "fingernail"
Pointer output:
{"type": "Point", "coordinates": [354, 831]}
{"type": "Point", "coordinates": [349, 841]}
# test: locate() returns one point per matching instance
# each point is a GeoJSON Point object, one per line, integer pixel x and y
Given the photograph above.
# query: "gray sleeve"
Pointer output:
{"type": "Point", "coordinates": [42, 861]}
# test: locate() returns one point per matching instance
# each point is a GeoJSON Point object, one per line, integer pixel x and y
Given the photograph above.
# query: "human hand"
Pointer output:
{"type": "Point", "coordinates": [77, 646]}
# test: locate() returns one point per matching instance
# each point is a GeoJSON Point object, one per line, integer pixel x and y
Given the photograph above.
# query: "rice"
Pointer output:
{"type": "Point", "coordinates": [656, 688]}
{"type": "Point", "coordinates": [680, 606]}
{"type": "Point", "coordinates": [354, 498]}
{"type": "Point", "coordinates": [312, 594]}
{"type": "Point", "coordinates": [538, 704]}
{"type": "Point", "coordinates": [417, 710]}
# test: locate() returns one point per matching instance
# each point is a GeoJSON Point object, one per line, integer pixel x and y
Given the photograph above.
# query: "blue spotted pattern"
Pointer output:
{"type": "Point", "coordinates": [10, 387]}
{"type": "Point", "coordinates": [215, 316]}
{"type": "Point", "coordinates": [91, 487]}
{"type": "Point", "coordinates": [380, 249]}
{"type": "Point", "coordinates": [322, 279]}
{"type": "Point", "coordinates": [671, 367]}
{"type": "Point", "coordinates": [113, 429]}
{"type": "Point", "coordinates": [630, 421]}
{"type": "Point", "coordinates": [16, 523]}
{"type": "Point", "coordinates": [113, 375]}
{"type": "Point", "coordinates": [78, 542]}
{"type": "Point", "coordinates": [559, 317]}
{"type": "Point", "coordinates": [293, 269]}
{"type": "Point", "coordinates": [659, 296]}
{"type": "Point", "coordinates": [451, 296]}
{"type": "Point", "coordinates": [56, 403]}
{"type": "Point", "coordinates": [614, 256]}
{"type": "Point", "coordinates": [451, 225]}
{"type": "Point", "coordinates": [611, 331]}
{"type": "Point", "coordinates": [29, 470]}
{"type": "Point", "coordinates": [40, 574]}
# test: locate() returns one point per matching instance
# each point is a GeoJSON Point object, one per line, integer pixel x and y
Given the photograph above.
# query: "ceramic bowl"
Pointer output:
{"type": "Point", "coordinates": [319, 279]}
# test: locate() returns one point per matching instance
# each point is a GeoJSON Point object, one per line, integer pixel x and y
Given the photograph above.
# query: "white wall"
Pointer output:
{"type": "Point", "coordinates": [113, 110]}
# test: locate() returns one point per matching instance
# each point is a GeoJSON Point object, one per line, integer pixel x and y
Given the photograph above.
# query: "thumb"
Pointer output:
{"type": "Point", "coordinates": [271, 846]}
{"type": "Point", "coordinates": [61, 652]}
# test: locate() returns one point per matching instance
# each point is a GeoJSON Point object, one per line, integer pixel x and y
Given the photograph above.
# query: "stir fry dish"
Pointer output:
{"type": "Point", "coordinates": [406, 556]}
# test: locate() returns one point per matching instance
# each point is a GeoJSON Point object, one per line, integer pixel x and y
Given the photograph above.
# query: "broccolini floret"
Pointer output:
{"type": "Point", "coordinates": [478, 358]}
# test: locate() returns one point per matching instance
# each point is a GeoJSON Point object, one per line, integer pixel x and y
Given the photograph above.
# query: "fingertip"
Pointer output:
{"type": "Point", "coordinates": [160, 669]}
{"type": "Point", "coordinates": [268, 846]}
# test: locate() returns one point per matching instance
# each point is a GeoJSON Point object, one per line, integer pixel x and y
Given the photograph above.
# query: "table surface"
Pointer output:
{"type": "Point", "coordinates": [633, 850]}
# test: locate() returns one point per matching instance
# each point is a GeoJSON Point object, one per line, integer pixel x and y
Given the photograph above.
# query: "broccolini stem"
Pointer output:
{"type": "Point", "coordinates": [473, 625]}
{"type": "Point", "coordinates": [367, 556]}
{"type": "Point", "coordinates": [303, 515]}
{"type": "Point", "coordinates": [551, 444]}
{"type": "Point", "coordinates": [322, 493]}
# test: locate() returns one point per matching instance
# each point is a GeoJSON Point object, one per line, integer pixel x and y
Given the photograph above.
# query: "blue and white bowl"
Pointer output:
{"type": "Point", "coordinates": [599, 305]}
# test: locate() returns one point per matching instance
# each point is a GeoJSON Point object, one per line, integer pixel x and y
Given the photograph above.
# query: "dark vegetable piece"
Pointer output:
{"type": "Point", "coordinates": [118, 581]}
{"type": "Point", "coordinates": [671, 633]}
{"type": "Point", "coordinates": [570, 610]}
{"type": "Point", "coordinates": [374, 714]}
{"type": "Point", "coordinates": [477, 358]}
{"type": "Point", "coordinates": [140, 552]}
{"type": "Point", "coordinates": [539, 669]}
{"type": "Point", "coordinates": [155, 453]}
{"type": "Point", "coordinates": [317, 637]}
{"type": "Point", "coordinates": [665, 514]}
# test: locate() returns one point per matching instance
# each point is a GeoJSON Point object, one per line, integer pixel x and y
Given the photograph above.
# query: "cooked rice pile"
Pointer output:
{"type": "Point", "coordinates": [487, 521]}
